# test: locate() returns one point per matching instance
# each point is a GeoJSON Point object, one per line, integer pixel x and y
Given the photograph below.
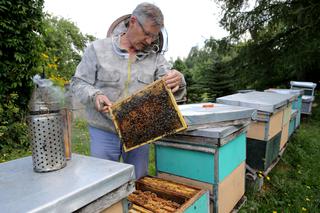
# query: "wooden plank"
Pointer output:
{"type": "Point", "coordinates": [106, 201]}
{"type": "Point", "coordinates": [186, 181]}
{"type": "Point", "coordinates": [115, 208]}
{"type": "Point", "coordinates": [284, 135]}
{"type": "Point", "coordinates": [231, 190]}
{"type": "Point", "coordinates": [275, 124]}
{"type": "Point", "coordinates": [257, 130]}
{"type": "Point", "coordinates": [287, 114]}
{"type": "Point", "coordinates": [67, 122]}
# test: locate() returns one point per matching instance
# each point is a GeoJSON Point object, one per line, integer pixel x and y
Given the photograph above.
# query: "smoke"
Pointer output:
{"type": "Point", "coordinates": [50, 92]}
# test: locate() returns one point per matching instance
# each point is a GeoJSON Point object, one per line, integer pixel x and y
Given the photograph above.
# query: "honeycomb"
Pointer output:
{"type": "Point", "coordinates": [152, 202]}
{"type": "Point", "coordinates": [170, 187]}
{"type": "Point", "coordinates": [146, 116]}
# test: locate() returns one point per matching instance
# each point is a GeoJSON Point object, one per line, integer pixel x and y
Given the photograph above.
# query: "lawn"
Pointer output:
{"type": "Point", "coordinates": [294, 184]}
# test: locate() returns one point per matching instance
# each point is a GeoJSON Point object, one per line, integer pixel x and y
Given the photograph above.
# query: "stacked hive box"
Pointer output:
{"type": "Point", "coordinates": [293, 121]}
{"type": "Point", "coordinates": [211, 158]}
{"type": "Point", "coordinates": [308, 94]}
{"type": "Point", "coordinates": [264, 135]}
{"type": "Point", "coordinates": [296, 106]}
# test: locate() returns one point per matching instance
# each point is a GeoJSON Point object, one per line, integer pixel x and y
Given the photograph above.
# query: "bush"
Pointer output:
{"type": "Point", "coordinates": [20, 48]}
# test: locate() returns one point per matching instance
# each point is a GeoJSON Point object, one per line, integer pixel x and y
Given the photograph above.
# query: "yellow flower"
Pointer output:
{"type": "Point", "coordinates": [274, 211]}
{"type": "Point", "coordinates": [45, 56]}
{"type": "Point", "coordinates": [260, 175]}
{"type": "Point", "coordinates": [268, 178]}
{"type": "Point", "coordinates": [307, 199]}
{"type": "Point", "coordinates": [303, 209]}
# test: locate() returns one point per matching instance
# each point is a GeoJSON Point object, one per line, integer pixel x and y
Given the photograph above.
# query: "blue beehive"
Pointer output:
{"type": "Point", "coordinates": [210, 154]}
{"type": "Point", "coordinates": [212, 158]}
{"type": "Point", "coordinates": [293, 120]}
{"type": "Point", "coordinates": [308, 89]}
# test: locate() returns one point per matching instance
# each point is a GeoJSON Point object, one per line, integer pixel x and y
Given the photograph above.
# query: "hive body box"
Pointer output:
{"type": "Point", "coordinates": [212, 158]}
{"type": "Point", "coordinates": [264, 134]}
{"type": "Point", "coordinates": [297, 102]}
{"type": "Point", "coordinates": [293, 120]}
{"type": "Point", "coordinates": [189, 198]}
{"type": "Point", "coordinates": [306, 107]}
{"type": "Point", "coordinates": [308, 89]}
{"type": "Point", "coordinates": [86, 184]}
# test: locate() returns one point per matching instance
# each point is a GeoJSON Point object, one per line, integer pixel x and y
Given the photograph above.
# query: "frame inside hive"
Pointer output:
{"type": "Point", "coordinates": [147, 115]}
{"type": "Point", "coordinates": [159, 195]}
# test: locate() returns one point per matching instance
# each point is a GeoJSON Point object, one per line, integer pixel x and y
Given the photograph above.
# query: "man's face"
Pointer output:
{"type": "Point", "coordinates": [142, 35]}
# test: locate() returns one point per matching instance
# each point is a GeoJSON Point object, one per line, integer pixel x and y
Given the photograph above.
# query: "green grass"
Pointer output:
{"type": "Point", "coordinates": [294, 184]}
{"type": "Point", "coordinates": [80, 137]}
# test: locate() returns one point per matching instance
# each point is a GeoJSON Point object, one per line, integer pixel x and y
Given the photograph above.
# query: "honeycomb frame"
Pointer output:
{"type": "Point", "coordinates": [147, 116]}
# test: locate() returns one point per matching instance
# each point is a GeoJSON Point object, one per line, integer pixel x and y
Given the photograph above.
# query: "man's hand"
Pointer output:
{"type": "Point", "coordinates": [102, 103]}
{"type": "Point", "coordinates": [173, 79]}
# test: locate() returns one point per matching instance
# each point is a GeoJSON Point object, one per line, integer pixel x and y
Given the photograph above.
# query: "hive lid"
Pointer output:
{"type": "Point", "coordinates": [147, 115]}
{"type": "Point", "coordinates": [198, 115]}
{"type": "Point", "coordinates": [303, 84]}
{"type": "Point", "coordinates": [307, 98]}
{"type": "Point", "coordinates": [84, 180]}
{"type": "Point", "coordinates": [262, 101]}
{"type": "Point", "coordinates": [216, 132]}
{"type": "Point", "coordinates": [294, 92]}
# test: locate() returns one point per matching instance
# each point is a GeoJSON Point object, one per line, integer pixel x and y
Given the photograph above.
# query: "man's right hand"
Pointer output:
{"type": "Point", "coordinates": [102, 103]}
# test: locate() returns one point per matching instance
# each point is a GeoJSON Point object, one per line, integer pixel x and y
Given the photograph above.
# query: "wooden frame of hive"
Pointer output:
{"type": "Point", "coordinates": [143, 111]}
{"type": "Point", "coordinates": [168, 190]}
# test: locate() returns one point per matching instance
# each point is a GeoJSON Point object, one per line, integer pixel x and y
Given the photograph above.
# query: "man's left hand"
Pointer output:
{"type": "Point", "coordinates": [173, 79]}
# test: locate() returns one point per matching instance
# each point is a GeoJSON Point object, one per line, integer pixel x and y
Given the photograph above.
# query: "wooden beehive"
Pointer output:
{"type": "Point", "coordinates": [159, 195]}
{"type": "Point", "coordinates": [147, 115]}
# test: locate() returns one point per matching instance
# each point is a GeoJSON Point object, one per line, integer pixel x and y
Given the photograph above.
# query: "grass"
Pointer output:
{"type": "Point", "coordinates": [293, 185]}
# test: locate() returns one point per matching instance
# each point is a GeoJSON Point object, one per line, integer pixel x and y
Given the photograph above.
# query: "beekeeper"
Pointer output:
{"type": "Point", "coordinates": [117, 66]}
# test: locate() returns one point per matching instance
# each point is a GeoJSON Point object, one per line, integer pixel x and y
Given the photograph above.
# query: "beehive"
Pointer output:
{"type": "Point", "coordinates": [159, 195]}
{"type": "Point", "coordinates": [212, 158]}
{"type": "Point", "coordinates": [147, 115]}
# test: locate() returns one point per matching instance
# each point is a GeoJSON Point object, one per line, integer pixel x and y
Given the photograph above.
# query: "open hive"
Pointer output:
{"type": "Point", "coordinates": [161, 196]}
{"type": "Point", "coordinates": [147, 115]}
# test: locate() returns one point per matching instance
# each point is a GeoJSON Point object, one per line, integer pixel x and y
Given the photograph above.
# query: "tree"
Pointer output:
{"type": "Point", "coordinates": [208, 70]}
{"type": "Point", "coordinates": [283, 44]}
{"type": "Point", "coordinates": [20, 48]}
{"type": "Point", "coordinates": [64, 44]}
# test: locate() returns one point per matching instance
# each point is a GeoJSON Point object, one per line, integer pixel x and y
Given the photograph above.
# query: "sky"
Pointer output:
{"type": "Point", "coordinates": [188, 23]}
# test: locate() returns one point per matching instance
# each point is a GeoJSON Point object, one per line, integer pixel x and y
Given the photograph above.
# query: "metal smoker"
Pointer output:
{"type": "Point", "coordinates": [46, 128]}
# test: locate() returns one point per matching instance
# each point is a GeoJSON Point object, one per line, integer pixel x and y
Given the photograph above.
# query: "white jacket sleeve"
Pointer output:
{"type": "Point", "coordinates": [162, 68]}
{"type": "Point", "coordinates": [82, 84]}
